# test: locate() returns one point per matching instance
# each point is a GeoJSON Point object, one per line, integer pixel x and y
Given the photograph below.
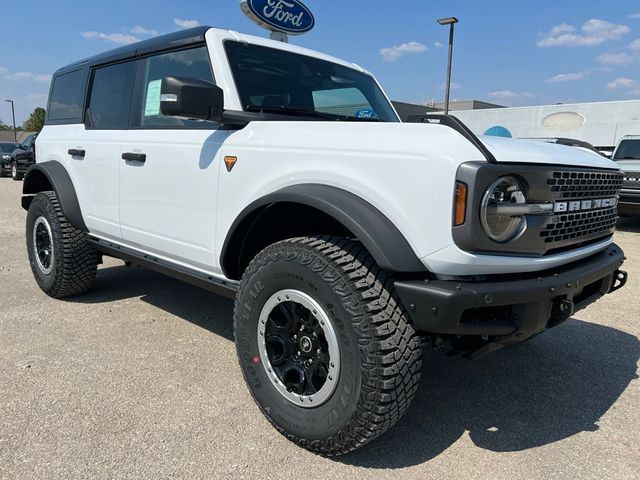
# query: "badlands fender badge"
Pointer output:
{"type": "Point", "coordinates": [584, 205]}
{"type": "Point", "coordinates": [230, 162]}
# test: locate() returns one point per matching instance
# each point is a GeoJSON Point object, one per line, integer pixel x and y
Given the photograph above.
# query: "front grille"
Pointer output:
{"type": "Point", "coordinates": [585, 184]}
{"type": "Point", "coordinates": [577, 225]}
{"type": "Point", "coordinates": [567, 228]}
{"type": "Point", "coordinates": [583, 212]}
{"type": "Point", "coordinates": [631, 180]}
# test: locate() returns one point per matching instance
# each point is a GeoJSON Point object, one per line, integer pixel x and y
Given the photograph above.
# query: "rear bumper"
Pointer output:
{"type": "Point", "coordinates": [515, 308]}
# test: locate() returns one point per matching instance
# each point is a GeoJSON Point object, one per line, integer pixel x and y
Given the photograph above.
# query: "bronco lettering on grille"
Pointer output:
{"type": "Point", "coordinates": [583, 205]}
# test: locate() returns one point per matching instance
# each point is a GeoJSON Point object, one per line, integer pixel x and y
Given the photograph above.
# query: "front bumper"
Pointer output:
{"type": "Point", "coordinates": [514, 307]}
{"type": "Point", "coordinates": [629, 204]}
{"type": "Point", "coordinates": [22, 167]}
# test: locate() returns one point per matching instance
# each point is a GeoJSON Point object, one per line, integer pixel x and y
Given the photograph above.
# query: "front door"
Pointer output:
{"type": "Point", "coordinates": [169, 168]}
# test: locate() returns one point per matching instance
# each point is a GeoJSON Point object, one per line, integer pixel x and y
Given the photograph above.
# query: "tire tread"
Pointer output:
{"type": "Point", "coordinates": [76, 270]}
{"type": "Point", "coordinates": [389, 346]}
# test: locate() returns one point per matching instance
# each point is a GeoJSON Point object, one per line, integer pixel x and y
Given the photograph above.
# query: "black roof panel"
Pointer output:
{"type": "Point", "coordinates": [162, 42]}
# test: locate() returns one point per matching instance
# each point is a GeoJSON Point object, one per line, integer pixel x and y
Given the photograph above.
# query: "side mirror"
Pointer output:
{"type": "Point", "coordinates": [192, 99]}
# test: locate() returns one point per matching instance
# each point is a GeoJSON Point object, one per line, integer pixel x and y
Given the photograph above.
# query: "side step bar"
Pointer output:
{"type": "Point", "coordinates": [213, 284]}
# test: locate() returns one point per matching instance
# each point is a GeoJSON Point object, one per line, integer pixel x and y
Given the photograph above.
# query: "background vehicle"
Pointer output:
{"type": "Point", "coordinates": [23, 157]}
{"type": "Point", "coordinates": [6, 157]}
{"type": "Point", "coordinates": [627, 154]}
{"type": "Point", "coordinates": [344, 235]}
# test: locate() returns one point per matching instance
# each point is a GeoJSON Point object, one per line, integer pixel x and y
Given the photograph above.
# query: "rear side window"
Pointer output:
{"type": "Point", "coordinates": [65, 104]}
{"type": "Point", "coordinates": [110, 99]}
{"type": "Point", "coordinates": [192, 63]}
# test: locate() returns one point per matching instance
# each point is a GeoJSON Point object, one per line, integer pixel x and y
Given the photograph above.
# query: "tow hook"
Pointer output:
{"type": "Point", "coordinates": [619, 280]}
{"type": "Point", "coordinates": [561, 310]}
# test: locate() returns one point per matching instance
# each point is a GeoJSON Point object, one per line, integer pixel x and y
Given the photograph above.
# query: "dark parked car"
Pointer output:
{"type": "Point", "coordinates": [6, 157]}
{"type": "Point", "coordinates": [23, 157]}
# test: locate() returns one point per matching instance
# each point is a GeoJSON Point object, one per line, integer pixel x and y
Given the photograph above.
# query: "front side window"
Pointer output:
{"type": "Point", "coordinates": [111, 91]}
{"type": "Point", "coordinates": [65, 103]}
{"type": "Point", "coordinates": [628, 150]}
{"type": "Point", "coordinates": [193, 63]}
{"type": "Point", "coordinates": [273, 80]}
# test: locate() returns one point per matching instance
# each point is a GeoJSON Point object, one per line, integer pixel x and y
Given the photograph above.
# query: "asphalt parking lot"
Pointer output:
{"type": "Point", "coordinates": [138, 379]}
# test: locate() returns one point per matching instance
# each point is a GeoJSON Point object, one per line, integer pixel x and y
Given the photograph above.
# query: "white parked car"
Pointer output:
{"type": "Point", "coordinates": [627, 155]}
{"type": "Point", "coordinates": [283, 178]}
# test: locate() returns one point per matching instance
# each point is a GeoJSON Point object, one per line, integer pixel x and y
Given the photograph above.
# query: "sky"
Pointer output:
{"type": "Point", "coordinates": [525, 53]}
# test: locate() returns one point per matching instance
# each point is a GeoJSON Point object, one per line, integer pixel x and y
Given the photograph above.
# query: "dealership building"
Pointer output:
{"type": "Point", "coordinates": [602, 124]}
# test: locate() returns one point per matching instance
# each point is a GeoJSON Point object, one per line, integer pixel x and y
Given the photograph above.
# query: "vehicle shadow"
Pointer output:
{"type": "Point", "coordinates": [555, 386]}
{"type": "Point", "coordinates": [200, 307]}
{"type": "Point", "coordinates": [628, 224]}
{"type": "Point", "coordinates": [550, 388]}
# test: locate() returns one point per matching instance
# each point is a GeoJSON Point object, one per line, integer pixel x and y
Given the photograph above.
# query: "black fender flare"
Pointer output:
{"type": "Point", "coordinates": [52, 175]}
{"type": "Point", "coordinates": [382, 239]}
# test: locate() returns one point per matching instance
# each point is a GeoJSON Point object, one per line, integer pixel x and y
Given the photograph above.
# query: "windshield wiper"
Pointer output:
{"type": "Point", "coordinates": [302, 112]}
{"type": "Point", "coordinates": [628, 158]}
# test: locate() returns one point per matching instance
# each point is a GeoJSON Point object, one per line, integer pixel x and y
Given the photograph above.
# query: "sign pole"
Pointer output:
{"type": "Point", "coordinates": [279, 36]}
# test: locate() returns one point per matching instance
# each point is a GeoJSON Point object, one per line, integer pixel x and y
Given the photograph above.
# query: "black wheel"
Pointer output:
{"type": "Point", "coordinates": [325, 347]}
{"type": "Point", "coordinates": [62, 261]}
{"type": "Point", "coordinates": [14, 172]}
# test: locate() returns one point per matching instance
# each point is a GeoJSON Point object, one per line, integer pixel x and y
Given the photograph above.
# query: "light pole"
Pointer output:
{"type": "Point", "coordinates": [13, 113]}
{"type": "Point", "coordinates": [451, 21]}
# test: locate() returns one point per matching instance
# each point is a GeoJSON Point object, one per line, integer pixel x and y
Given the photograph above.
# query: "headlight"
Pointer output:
{"type": "Point", "coordinates": [6, 157]}
{"type": "Point", "coordinates": [497, 213]}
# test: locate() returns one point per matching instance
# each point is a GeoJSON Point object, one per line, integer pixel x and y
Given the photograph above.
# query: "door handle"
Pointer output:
{"type": "Point", "coordinates": [134, 157]}
{"type": "Point", "coordinates": [75, 152]}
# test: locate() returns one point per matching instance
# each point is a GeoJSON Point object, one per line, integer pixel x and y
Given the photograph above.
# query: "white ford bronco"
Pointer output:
{"type": "Point", "coordinates": [283, 178]}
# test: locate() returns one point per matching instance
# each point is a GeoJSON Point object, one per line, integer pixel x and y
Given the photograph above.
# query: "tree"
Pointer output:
{"type": "Point", "coordinates": [35, 122]}
{"type": "Point", "coordinates": [4, 127]}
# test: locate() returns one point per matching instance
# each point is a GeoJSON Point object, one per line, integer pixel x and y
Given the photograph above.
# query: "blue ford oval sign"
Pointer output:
{"type": "Point", "coordinates": [287, 16]}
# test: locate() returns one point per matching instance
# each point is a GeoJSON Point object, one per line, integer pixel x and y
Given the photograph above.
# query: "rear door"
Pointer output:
{"type": "Point", "coordinates": [95, 159]}
{"type": "Point", "coordinates": [170, 167]}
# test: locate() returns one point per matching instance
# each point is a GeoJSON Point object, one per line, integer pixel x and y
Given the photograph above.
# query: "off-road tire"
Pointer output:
{"type": "Point", "coordinates": [75, 262]}
{"type": "Point", "coordinates": [380, 351]}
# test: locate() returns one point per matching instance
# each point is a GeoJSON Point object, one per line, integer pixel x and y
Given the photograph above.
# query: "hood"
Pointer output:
{"type": "Point", "coordinates": [629, 165]}
{"type": "Point", "coordinates": [531, 151]}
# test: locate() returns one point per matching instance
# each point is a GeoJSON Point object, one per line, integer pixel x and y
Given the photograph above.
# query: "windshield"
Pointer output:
{"type": "Point", "coordinates": [628, 150]}
{"type": "Point", "coordinates": [8, 147]}
{"type": "Point", "coordinates": [273, 80]}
